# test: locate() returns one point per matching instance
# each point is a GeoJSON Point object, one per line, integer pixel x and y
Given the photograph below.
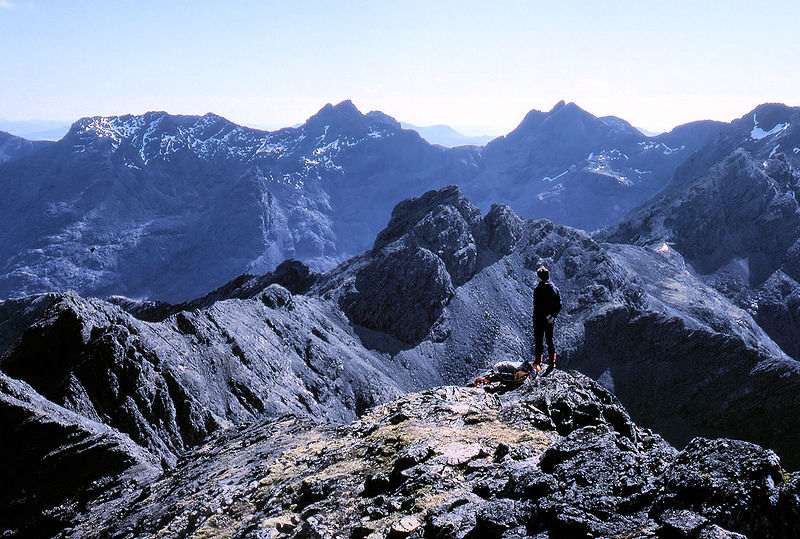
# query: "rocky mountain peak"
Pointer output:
{"type": "Point", "coordinates": [346, 106]}
{"type": "Point", "coordinates": [620, 125]}
{"type": "Point", "coordinates": [344, 121]}
{"type": "Point", "coordinates": [566, 121]}
{"type": "Point", "coordinates": [344, 111]}
{"type": "Point", "coordinates": [767, 129]}
{"type": "Point", "coordinates": [560, 105]}
{"type": "Point", "coordinates": [561, 113]}
{"type": "Point", "coordinates": [151, 129]}
{"type": "Point", "coordinates": [409, 213]}
{"type": "Point", "coordinates": [771, 113]}
{"type": "Point", "coordinates": [570, 120]}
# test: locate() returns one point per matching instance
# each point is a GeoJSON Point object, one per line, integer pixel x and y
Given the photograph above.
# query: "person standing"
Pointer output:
{"type": "Point", "coordinates": [546, 306]}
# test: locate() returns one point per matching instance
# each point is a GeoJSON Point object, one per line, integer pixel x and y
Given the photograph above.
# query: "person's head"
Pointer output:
{"type": "Point", "coordinates": [543, 273]}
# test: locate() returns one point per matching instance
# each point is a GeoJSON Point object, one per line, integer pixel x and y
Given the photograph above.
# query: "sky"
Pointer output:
{"type": "Point", "coordinates": [478, 66]}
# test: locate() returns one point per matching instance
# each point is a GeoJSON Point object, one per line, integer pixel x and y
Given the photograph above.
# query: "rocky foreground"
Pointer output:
{"type": "Point", "coordinates": [559, 457]}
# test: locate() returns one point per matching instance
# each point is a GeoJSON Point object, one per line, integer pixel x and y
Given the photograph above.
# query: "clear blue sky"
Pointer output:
{"type": "Point", "coordinates": [469, 64]}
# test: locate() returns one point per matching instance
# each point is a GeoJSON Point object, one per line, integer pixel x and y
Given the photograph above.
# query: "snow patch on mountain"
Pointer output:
{"type": "Point", "coordinates": [159, 136]}
{"type": "Point", "coordinates": [758, 133]}
{"type": "Point", "coordinates": [554, 178]}
{"type": "Point", "coordinates": [553, 192]}
{"type": "Point", "coordinates": [649, 145]}
{"type": "Point", "coordinates": [601, 163]}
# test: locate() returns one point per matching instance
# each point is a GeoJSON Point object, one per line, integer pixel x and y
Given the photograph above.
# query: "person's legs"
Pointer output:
{"type": "Point", "coordinates": [551, 347]}
{"type": "Point", "coordinates": [538, 342]}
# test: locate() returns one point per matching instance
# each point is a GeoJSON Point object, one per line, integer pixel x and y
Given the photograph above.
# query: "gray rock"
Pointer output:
{"type": "Point", "coordinates": [681, 523]}
{"type": "Point", "coordinates": [55, 461]}
{"type": "Point", "coordinates": [275, 297]}
{"type": "Point", "coordinates": [732, 483]}
{"type": "Point", "coordinates": [401, 292]}
{"type": "Point", "coordinates": [169, 384]}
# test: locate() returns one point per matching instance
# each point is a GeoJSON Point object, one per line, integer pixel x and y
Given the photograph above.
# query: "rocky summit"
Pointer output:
{"type": "Point", "coordinates": [332, 404]}
{"type": "Point", "coordinates": [560, 457]}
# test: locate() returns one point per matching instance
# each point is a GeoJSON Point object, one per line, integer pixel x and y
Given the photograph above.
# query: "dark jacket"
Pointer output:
{"type": "Point", "coordinates": [546, 301]}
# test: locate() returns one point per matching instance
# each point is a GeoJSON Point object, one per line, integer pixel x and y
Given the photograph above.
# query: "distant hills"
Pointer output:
{"type": "Point", "coordinates": [444, 135]}
{"type": "Point", "coordinates": [35, 129]}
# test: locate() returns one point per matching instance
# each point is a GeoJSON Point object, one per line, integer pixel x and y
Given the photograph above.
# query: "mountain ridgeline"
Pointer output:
{"type": "Point", "coordinates": [168, 207]}
{"type": "Point", "coordinates": [253, 408]}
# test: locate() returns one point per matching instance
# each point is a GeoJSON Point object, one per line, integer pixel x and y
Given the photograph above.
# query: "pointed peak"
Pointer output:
{"type": "Point", "coordinates": [346, 106]}
{"type": "Point", "coordinates": [568, 108]}
{"type": "Point", "coordinates": [560, 113]}
{"type": "Point", "coordinates": [342, 111]}
{"type": "Point", "coordinates": [409, 212]}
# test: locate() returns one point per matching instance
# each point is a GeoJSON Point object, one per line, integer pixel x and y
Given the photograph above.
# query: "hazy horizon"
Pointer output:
{"type": "Point", "coordinates": [477, 68]}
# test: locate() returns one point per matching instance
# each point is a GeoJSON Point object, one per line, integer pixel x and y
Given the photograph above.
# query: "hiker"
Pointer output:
{"type": "Point", "coordinates": [546, 306]}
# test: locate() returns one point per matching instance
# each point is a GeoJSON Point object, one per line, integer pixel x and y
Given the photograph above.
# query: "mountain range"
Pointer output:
{"type": "Point", "coordinates": [294, 401]}
{"type": "Point", "coordinates": [167, 207]}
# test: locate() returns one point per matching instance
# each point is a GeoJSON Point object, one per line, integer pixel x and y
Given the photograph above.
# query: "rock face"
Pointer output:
{"type": "Point", "coordinates": [401, 293]}
{"type": "Point", "coordinates": [168, 207]}
{"type": "Point", "coordinates": [431, 245]}
{"type": "Point", "coordinates": [557, 458]}
{"type": "Point", "coordinates": [169, 384]}
{"type": "Point", "coordinates": [56, 461]}
{"type": "Point", "coordinates": [733, 212]}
